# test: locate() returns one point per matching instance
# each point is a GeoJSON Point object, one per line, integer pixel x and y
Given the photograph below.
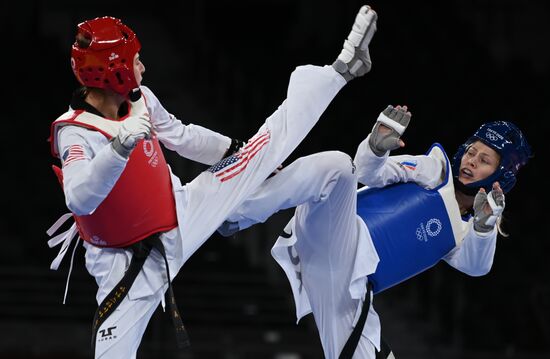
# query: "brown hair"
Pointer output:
{"type": "Point", "coordinates": [82, 41]}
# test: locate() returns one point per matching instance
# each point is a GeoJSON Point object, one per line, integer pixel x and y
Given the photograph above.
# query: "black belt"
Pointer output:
{"type": "Point", "coordinates": [140, 251]}
{"type": "Point", "coordinates": [353, 340]}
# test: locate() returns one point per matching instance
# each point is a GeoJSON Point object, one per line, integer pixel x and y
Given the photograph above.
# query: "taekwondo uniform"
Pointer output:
{"type": "Point", "coordinates": [190, 213]}
{"type": "Point", "coordinates": [339, 239]}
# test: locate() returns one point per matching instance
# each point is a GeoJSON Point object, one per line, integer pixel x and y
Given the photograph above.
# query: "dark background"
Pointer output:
{"type": "Point", "coordinates": [225, 65]}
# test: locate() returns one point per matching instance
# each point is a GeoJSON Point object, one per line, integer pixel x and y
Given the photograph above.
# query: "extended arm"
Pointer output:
{"type": "Point", "coordinates": [376, 168]}
{"type": "Point", "coordinates": [190, 141]}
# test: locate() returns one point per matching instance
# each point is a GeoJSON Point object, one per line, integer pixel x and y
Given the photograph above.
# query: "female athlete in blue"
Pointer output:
{"type": "Point", "coordinates": [344, 245]}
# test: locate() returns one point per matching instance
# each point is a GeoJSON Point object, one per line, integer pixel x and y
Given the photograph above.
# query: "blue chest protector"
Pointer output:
{"type": "Point", "coordinates": [410, 227]}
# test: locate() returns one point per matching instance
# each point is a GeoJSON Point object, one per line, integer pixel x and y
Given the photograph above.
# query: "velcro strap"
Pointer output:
{"type": "Point", "coordinates": [399, 128]}
{"type": "Point", "coordinates": [495, 208]}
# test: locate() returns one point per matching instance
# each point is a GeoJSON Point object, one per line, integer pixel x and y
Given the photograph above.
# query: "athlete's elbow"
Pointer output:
{"type": "Point", "coordinates": [78, 206]}
{"type": "Point", "coordinates": [78, 209]}
{"type": "Point", "coordinates": [369, 179]}
{"type": "Point", "coordinates": [479, 271]}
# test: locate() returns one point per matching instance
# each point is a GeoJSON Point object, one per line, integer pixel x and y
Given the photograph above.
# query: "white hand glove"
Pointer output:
{"type": "Point", "coordinates": [487, 208]}
{"type": "Point", "coordinates": [134, 128]}
{"type": "Point", "coordinates": [386, 133]}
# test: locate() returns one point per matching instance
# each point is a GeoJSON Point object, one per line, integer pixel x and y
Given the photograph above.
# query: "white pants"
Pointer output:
{"type": "Point", "coordinates": [319, 248]}
{"type": "Point", "coordinates": [202, 206]}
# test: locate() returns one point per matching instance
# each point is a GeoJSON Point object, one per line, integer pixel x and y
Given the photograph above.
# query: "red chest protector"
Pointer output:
{"type": "Point", "coordinates": [141, 202]}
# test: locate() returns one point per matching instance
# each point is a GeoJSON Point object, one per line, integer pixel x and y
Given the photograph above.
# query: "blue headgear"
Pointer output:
{"type": "Point", "coordinates": [510, 143]}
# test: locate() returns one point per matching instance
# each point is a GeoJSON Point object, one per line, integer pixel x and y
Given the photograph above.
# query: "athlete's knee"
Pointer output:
{"type": "Point", "coordinates": [339, 163]}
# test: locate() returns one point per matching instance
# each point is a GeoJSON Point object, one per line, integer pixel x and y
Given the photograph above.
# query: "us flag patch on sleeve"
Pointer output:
{"type": "Point", "coordinates": [72, 154]}
{"type": "Point", "coordinates": [231, 166]}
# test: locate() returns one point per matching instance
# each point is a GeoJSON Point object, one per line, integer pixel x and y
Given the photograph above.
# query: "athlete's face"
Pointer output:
{"type": "Point", "coordinates": [139, 69]}
{"type": "Point", "coordinates": [479, 162]}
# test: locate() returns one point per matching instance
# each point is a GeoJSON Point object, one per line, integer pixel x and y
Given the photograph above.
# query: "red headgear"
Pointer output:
{"type": "Point", "coordinates": [108, 62]}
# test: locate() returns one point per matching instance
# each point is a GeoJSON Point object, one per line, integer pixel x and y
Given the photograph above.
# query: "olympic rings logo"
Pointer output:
{"type": "Point", "coordinates": [432, 232]}
{"type": "Point", "coordinates": [491, 136]}
{"type": "Point", "coordinates": [431, 229]}
{"type": "Point", "coordinates": [149, 150]}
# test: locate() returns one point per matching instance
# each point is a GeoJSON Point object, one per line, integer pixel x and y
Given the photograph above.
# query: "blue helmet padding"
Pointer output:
{"type": "Point", "coordinates": [509, 142]}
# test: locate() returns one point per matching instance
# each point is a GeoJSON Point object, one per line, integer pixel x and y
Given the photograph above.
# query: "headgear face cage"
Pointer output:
{"type": "Point", "coordinates": [108, 61]}
{"type": "Point", "coordinates": [509, 142]}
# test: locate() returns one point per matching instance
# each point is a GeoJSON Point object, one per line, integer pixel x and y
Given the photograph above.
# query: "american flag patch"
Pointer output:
{"type": "Point", "coordinates": [72, 154]}
{"type": "Point", "coordinates": [231, 166]}
{"type": "Point", "coordinates": [411, 165]}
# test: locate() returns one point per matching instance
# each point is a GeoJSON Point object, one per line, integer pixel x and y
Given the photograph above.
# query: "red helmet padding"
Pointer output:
{"type": "Point", "coordinates": [108, 62]}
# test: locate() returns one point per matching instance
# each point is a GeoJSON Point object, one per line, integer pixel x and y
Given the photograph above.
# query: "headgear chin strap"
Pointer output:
{"type": "Point", "coordinates": [108, 61]}
{"type": "Point", "coordinates": [466, 189]}
{"type": "Point", "coordinates": [509, 142]}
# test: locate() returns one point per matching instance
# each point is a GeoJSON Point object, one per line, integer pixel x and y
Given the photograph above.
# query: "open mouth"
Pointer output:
{"type": "Point", "coordinates": [466, 172]}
